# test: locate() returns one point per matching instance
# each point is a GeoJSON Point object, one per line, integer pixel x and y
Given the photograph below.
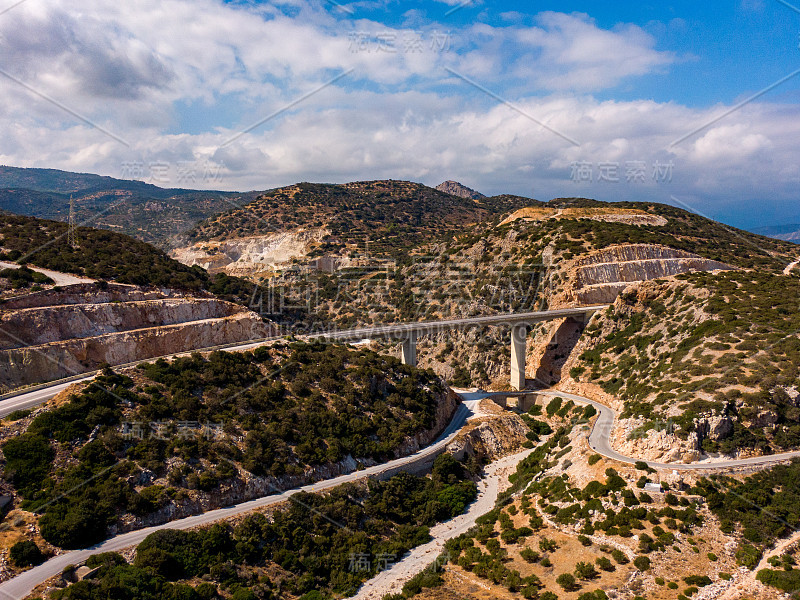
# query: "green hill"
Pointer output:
{"type": "Point", "coordinates": [139, 209]}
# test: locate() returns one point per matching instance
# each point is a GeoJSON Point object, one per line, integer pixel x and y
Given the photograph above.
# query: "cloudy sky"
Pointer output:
{"type": "Point", "coordinates": [693, 104]}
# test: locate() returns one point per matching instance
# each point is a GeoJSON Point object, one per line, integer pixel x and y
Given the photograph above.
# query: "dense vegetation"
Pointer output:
{"type": "Point", "coordinates": [105, 255]}
{"type": "Point", "coordinates": [190, 426]}
{"type": "Point", "coordinates": [762, 508]}
{"type": "Point", "coordinates": [24, 277]}
{"type": "Point", "coordinates": [317, 546]}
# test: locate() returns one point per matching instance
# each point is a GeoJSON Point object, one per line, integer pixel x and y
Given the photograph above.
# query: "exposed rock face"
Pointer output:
{"type": "Point", "coordinates": [603, 275]}
{"type": "Point", "coordinates": [250, 256]}
{"type": "Point", "coordinates": [456, 189]}
{"type": "Point", "coordinates": [553, 356]}
{"type": "Point", "coordinates": [78, 329]}
{"type": "Point", "coordinates": [714, 428]}
{"type": "Point", "coordinates": [659, 446]}
{"type": "Point", "coordinates": [491, 438]}
{"type": "Point", "coordinates": [36, 326]}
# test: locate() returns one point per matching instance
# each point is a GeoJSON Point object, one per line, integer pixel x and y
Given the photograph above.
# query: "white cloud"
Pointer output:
{"type": "Point", "coordinates": [128, 66]}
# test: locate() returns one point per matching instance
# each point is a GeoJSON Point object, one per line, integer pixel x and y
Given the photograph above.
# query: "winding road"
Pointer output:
{"type": "Point", "coordinates": [599, 441]}
{"type": "Point", "coordinates": [23, 584]}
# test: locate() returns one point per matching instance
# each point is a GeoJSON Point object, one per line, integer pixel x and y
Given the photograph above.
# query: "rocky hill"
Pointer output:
{"type": "Point", "coordinates": [381, 219]}
{"type": "Point", "coordinates": [202, 432]}
{"type": "Point", "coordinates": [457, 189]}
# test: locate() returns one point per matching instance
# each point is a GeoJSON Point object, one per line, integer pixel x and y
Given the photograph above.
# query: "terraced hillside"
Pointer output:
{"type": "Point", "coordinates": [53, 334]}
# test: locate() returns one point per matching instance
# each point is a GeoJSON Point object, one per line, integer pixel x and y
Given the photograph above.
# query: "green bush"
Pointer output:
{"type": "Point", "coordinates": [26, 554]}
{"type": "Point", "coordinates": [567, 582]}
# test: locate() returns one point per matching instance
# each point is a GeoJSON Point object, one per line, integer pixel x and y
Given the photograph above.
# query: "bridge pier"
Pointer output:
{"type": "Point", "coordinates": [409, 349]}
{"type": "Point", "coordinates": [519, 343]}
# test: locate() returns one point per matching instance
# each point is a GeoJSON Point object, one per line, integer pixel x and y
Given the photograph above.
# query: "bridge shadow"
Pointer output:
{"type": "Point", "coordinates": [559, 348]}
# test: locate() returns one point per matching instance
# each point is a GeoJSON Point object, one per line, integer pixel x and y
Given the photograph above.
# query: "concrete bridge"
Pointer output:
{"type": "Point", "coordinates": [407, 333]}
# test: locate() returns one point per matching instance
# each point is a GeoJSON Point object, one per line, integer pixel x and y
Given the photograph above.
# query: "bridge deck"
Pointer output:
{"type": "Point", "coordinates": [404, 330]}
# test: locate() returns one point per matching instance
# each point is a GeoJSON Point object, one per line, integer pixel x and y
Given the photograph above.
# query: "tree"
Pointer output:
{"type": "Point", "coordinates": [547, 545]}
{"type": "Point", "coordinates": [567, 582]}
{"type": "Point", "coordinates": [585, 571]}
{"type": "Point", "coordinates": [26, 554]}
{"type": "Point", "coordinates": [642, 563]}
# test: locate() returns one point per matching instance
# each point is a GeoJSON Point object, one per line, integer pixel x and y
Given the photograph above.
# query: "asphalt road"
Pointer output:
{"type": "Point", "coordinates": [23, 584]}
{"type": "Point", "coordinates": [601, 433]}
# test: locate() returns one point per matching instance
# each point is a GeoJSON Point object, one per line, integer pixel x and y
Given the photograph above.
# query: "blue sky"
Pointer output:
{"type": "Point", "coordinates": [626, 101]}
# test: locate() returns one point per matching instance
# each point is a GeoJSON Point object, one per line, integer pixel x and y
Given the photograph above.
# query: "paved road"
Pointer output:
{"type": "Point", "coordinates": [58, 277]}
{"type": "Point", "coordinates": [23, 584]}
{"type": "Point", "coordinates": [601, 433]}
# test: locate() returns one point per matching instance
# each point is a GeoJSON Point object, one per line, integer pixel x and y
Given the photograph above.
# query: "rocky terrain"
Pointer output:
{"type": "Point", "coordinates": [53, 334]}
{"type": "Point", "coordinates": [457, 189]}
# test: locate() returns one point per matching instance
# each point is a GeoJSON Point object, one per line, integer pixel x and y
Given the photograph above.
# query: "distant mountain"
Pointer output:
{"type": "Point", "coordinates": [136, 208]}
{"type": "Point", "coordinates": [457, 189]}
{"type": "Point", "coordinates": [787, 233]}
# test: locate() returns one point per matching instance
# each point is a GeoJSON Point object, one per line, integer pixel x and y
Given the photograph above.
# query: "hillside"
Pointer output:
{"type": "Point", "coordinates": [145, 211]}
{"type": "Point", "coordinates": [169, 439]}
{"type": "Point", "coordinates": [382, 218]}
{"type": "Point", "coordinates": [107, 256]}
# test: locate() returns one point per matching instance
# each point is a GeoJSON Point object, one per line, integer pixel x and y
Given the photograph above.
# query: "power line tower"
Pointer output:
{"type": "Point", "coordinates": [71, 231]}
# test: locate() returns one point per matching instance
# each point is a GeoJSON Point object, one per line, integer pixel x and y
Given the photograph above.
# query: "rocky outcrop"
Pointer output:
{"type": "Point", "coordinates": [491, 438]}
{"type": "Point", "coordinates": [63, 332]}
{"type": "Point", "coordinates": [250, 256]}
{"type": "Point", "coordinates": [34, 326]}
{"type": "Point", "coordinates": [456, 189]}
{"type": "Point", "coordinates": [90, 293]}
{"type": "Point", "coordinates": [603, 275]}
{"type": "Point", "coordinates": [47, 362]}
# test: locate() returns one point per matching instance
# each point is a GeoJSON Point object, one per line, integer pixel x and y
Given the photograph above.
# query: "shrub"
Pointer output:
{"type": "Point", "coordinates": [585, 571]}
{"type": "Point", "coordinates": [26, 554]}
{"type": "Point", "coordinates": [642, 563]}
{"type": "Point", "coordinates": [567, 582]}
{"type": "Point", "coordinates": [605, 564]}
{"type": "Point", "coordinates": [594, 459]}
{"type": "Point", "coordinates": [585, 541]}
{"type": "Point", "coordinates": [530, 556]}
{"type": "Point", "coordinates": [619, 556]}
{"type": "Point", "coordinates": [547, 545]}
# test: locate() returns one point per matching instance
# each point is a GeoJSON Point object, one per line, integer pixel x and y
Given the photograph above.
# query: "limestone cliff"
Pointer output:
{"type": "Point", "coordinates": [603, 275]}
{"type": "Point", "coordinates": [65, 332]}
{"type": "Point", "coordinates": [253, 256]}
